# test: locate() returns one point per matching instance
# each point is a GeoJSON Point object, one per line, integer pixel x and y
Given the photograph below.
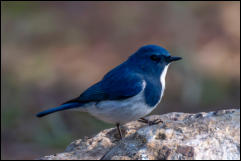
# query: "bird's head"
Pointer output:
{"type": "Point", "coordinates": [151, 59]}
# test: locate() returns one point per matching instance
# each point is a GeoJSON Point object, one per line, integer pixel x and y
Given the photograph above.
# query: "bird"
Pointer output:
{"type": "Point", "coordinates": [128, 92]}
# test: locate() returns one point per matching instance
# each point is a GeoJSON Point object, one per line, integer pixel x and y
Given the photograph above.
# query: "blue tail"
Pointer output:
{"type": "Point", "coordinates": [59, 108]}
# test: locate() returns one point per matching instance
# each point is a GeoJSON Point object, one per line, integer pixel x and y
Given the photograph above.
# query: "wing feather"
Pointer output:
{"type": "Point", "coordinates": [118, 84]}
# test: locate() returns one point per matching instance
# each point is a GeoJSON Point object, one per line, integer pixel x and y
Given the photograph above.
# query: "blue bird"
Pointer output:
{"type": "Point", "coordinates": [128, 92]}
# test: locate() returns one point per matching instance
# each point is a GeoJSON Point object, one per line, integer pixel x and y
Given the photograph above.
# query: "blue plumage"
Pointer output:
{"type": "Point", "coordinates": [66, 106]}
{"type": "Point", "coordinates": [129, 91]}
{"type": "Point", "coordinates": [113, 86]}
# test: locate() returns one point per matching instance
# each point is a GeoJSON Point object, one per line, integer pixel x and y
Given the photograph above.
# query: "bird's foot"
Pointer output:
{"type": "Point", "coordinates": [149, 122]}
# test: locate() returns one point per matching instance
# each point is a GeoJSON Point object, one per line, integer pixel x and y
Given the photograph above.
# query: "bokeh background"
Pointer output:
{"type": "Point", "coordinates": [53, 51]}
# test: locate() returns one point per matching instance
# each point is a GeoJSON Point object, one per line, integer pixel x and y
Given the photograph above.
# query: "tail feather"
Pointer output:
{"type": "Point", "coordinates": [59, 108]}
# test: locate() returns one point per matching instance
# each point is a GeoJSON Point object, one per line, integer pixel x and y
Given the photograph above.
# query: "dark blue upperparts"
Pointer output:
{"type": "Point", "coordinates": [126, 80]}
{"type": "Point", "coordinates": [153, 49]}
{"type": "Point", "coordinates": [120, 83]}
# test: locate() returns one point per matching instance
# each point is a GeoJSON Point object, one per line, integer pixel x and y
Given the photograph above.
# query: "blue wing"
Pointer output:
{"type": "Point", "coordinates": [120, 83]}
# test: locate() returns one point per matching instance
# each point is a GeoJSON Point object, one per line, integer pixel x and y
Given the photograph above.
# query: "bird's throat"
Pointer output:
{"type": "Point", "coordinates": [162, 79]}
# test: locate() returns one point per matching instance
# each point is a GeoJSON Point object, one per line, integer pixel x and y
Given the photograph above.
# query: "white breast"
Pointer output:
{"type": "Point", "coordinates": [162, 79]}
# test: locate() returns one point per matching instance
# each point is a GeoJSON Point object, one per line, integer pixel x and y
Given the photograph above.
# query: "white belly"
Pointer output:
{"type": "Point", "coordinates": [121, 111]}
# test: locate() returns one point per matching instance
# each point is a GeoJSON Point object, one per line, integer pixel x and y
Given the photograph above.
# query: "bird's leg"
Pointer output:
{"type": "Point", "coordinates": [154, 122]}
{"type": "Point", "coordinates": [119, 130]}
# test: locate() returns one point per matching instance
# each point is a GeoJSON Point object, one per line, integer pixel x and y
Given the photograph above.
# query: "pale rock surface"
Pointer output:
{"type": "Point", "coordinates": [212, 135]}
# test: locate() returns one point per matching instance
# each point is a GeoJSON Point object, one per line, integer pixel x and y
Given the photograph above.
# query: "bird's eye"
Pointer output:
{"type": "Point", "coordinates": [155, 58]}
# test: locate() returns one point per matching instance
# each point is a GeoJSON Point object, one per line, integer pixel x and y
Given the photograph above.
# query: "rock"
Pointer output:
{"type": "Point", "coordinates": [212, 135]}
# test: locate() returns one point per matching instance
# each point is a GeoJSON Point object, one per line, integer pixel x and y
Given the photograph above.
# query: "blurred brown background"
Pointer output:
{"type": "Point", "coordinates": [53, 51]}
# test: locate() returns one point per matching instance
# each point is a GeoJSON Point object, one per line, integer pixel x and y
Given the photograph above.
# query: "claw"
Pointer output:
{"type": "Point", "coordinates": [153, 122]}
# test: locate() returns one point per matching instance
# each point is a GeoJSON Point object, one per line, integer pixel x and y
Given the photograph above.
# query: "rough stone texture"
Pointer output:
{"type": "Point", "coordinates": [213, 135]}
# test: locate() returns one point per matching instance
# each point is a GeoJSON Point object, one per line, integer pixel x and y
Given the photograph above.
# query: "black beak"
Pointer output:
{"type": "Point", "coordinates": [173, 58]}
